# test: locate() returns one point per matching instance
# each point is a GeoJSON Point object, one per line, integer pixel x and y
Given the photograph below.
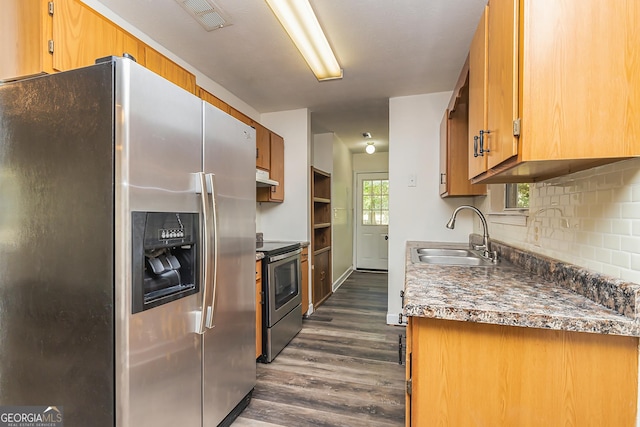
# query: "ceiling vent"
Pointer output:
{"type": "Point", "coordinates": [207, 13]}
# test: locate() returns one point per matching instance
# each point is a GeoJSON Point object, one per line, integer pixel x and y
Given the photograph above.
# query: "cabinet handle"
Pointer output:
{"type": "Point", "coordinates": [257, 152]}
{"type": "Point", "coordinates": [475, 146]}
{"type": "Point", "coordinates": [482, 149]}
{"type": "Point", "coordinates": [443, 178]}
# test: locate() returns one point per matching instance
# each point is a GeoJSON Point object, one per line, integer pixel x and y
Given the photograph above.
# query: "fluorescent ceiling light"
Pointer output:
{"type": "Point", "coordinates": [298, 19]}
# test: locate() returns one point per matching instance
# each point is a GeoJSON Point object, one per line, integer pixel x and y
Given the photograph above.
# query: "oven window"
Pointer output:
{"type": "Point", "coordinates": [286, 282]}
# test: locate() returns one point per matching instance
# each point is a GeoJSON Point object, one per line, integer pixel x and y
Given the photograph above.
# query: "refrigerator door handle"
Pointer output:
{"type": "Point", "coordinates": [202, 314]}
{"type": "Point", "coordinates": [211, 183]}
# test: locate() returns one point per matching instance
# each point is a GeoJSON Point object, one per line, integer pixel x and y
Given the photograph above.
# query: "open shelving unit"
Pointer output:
{"type": "Point", "coordinates": [322, 282]}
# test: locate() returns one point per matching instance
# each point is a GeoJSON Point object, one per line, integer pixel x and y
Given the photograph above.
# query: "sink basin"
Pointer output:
{"type": "Point", "coordinates": [444, 256]}
{"type": "Point", "coordinates": [444, 252]}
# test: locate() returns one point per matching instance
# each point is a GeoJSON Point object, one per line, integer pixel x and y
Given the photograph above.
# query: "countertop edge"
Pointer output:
{"type": "Point", "coordinates": [603, 319]}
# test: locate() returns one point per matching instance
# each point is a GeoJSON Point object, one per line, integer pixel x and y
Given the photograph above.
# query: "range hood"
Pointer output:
{"type": "Point", "coordinates": [262, 179]}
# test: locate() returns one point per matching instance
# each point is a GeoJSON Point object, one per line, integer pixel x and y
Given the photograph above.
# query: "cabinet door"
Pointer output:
{"type": "Point", "coordinates": [321, 277]}
{"type": "Point", "coordinates": [263, 148]}
{"type": "Point", "coordinates": [502, 80]}
{"type": "Point", "coordinates": [478, 95]}
{"type": "Point", "coordinates": [304, 267]}
{"type": "Point", "coordinates": [25, 29]}
{"type": "Point", "coordinates": [581, 79]}
{"type": "Point", "coordinates": [81, 36]}
{"type": "Point", "coordinates": [408, 421]}
{"type": "Point", "coordinates": [168, 69]}
{"type": "Point", "coordinates": [444, 136]}
{"type": "Point", "coordinates": [276, 171]}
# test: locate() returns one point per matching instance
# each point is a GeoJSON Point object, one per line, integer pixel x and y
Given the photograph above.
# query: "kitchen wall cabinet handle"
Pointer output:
{"type": "Point", "coordinates": [205, 250]}
{"type": "Point", "coordinates": [475, 146]}
{"type": "Point", "coordinates": [482, 149]}
{"type": "Point", "coordinates": [211, 180]}
{"type": "Point", "coordinates": [443, 178]}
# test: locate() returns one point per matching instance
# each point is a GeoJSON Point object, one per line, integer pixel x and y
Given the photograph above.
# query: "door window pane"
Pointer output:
{"type": "Point", "coordinates": [375, 202]}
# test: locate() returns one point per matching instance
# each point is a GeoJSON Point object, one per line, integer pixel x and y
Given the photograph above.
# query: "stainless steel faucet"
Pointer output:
{"type": "Point", "coordinates": [486, 251]}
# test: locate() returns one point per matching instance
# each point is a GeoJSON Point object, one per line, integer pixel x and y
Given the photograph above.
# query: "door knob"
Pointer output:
{"type": "Point", "coordinates": [386, 237]}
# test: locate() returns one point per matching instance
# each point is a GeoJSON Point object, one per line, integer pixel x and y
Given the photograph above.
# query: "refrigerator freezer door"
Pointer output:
{"type": "Point", "coordinates": [56, 244]}
{"type": "Point", "coordinates": [159, 152]}
{"type": "Point", "coordinates": [229, 347]}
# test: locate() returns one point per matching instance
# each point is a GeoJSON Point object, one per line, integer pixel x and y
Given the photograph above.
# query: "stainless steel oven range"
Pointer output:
{"type": "Point", "coordinates": [282, 310]}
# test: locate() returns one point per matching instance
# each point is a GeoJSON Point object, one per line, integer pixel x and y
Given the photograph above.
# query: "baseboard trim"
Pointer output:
{"type": "Point", "coordinates": [341, 279]}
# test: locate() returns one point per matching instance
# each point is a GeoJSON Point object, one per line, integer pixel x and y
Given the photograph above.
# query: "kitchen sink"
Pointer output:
{"type": "Point", "coordinates": [445, 256]}
{"type": "Point", "coordinates": [444, 252]}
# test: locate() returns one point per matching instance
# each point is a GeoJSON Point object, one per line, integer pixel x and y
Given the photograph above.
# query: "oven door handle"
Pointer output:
{"type": "Point", "coordinates": [211, 307]}
{"type": "Point", "coordinates": [283, 256]}
{"type": "Point", "coordinates": [201, 314]}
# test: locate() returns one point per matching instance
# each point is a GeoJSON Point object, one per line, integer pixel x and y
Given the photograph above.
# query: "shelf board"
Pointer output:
{"type": "Point", "coordinates": [319, 251]}
{"type": "Point", "coordinates": [322, 225]}
{"type": "Point", "coordinates": [321, 200]}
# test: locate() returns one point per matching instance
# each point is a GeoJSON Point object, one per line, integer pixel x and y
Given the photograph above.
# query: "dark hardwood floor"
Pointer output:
{"type": "Point", "coordinates": [340, 370]}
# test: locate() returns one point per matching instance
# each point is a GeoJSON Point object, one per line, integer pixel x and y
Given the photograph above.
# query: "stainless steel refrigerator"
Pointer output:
{"type": "Point", "coordinates": [127, 242]}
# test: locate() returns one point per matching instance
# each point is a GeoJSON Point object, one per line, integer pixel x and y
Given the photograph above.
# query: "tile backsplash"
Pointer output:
{"type": "Point", "coordinates": [590, 218]}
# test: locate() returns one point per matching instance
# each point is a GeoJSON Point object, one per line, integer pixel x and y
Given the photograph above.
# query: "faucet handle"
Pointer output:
{"type": "Point", "coordinates": [478, 247]}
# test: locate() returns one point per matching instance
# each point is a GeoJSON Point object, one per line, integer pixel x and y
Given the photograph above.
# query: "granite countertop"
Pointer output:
{"type": "Point", "coordinates": [514, 294]}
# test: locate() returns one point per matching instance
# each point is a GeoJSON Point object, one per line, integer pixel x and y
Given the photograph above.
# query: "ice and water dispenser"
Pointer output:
{"type": "Point", "coordinates": [165, 258]}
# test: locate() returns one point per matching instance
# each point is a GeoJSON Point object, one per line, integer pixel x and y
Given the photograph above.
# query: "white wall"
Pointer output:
{"type": "Point", "coordinates": [589, 218]}
{"type": "Point", "coordinates": [290, 219]}
{"type": "Point", "coordinates": [417, 213]}
{"type": "Point", "coordinates": [322, 151]}
{"type": "Point", "coordinates": [376, 162]}
{"type": "Point", "coordinates": [201, 80]}
{"type": "Point", "coordinates": [342, 208]}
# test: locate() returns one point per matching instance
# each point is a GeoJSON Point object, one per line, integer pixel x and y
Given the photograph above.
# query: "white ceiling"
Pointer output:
{"type": "Point", "coordinates": [386, 48]}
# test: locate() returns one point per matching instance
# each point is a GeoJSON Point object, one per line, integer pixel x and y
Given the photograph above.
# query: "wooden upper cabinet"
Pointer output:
{"type": "Point", "coordinates": [493, 87]}
{"type": "Point", "coordinates": [25, 30]}
{"type": "Point", "coordinates": [242, 117]}
{"type": "Point", "coordinates": [212, 99]}
{"type": "Point", "coordinates": [276, 170]}
{"type": "Point", "coordinates": [263, 148]}
{"type": "Point", "coordinates": [477, 96]}
{"type": "Point", "coordinates": [454, 134]}
{"type": "Point", "coordinates": [168, 69]}
{"type": "Point", "coordinates": [81, 35]}
{"type": "Point", "coordinates": [581, 81]}
{"type": "Point", "coordinates": [562, 87]}
{"type": "Point", "coordinates": [40, 36]}
{"type": "Point", "coordinates": [502, 82]}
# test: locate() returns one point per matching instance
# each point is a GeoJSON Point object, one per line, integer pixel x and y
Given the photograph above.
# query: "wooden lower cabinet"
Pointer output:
{"type": "Point", "coordinates": [321, 277]}
{"type": "Point", "coordinates": [304, 283]}
{"type": "Point", "coordinates": [468, 374]}
{"type": "Point", "coordinates": [258, 308]}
